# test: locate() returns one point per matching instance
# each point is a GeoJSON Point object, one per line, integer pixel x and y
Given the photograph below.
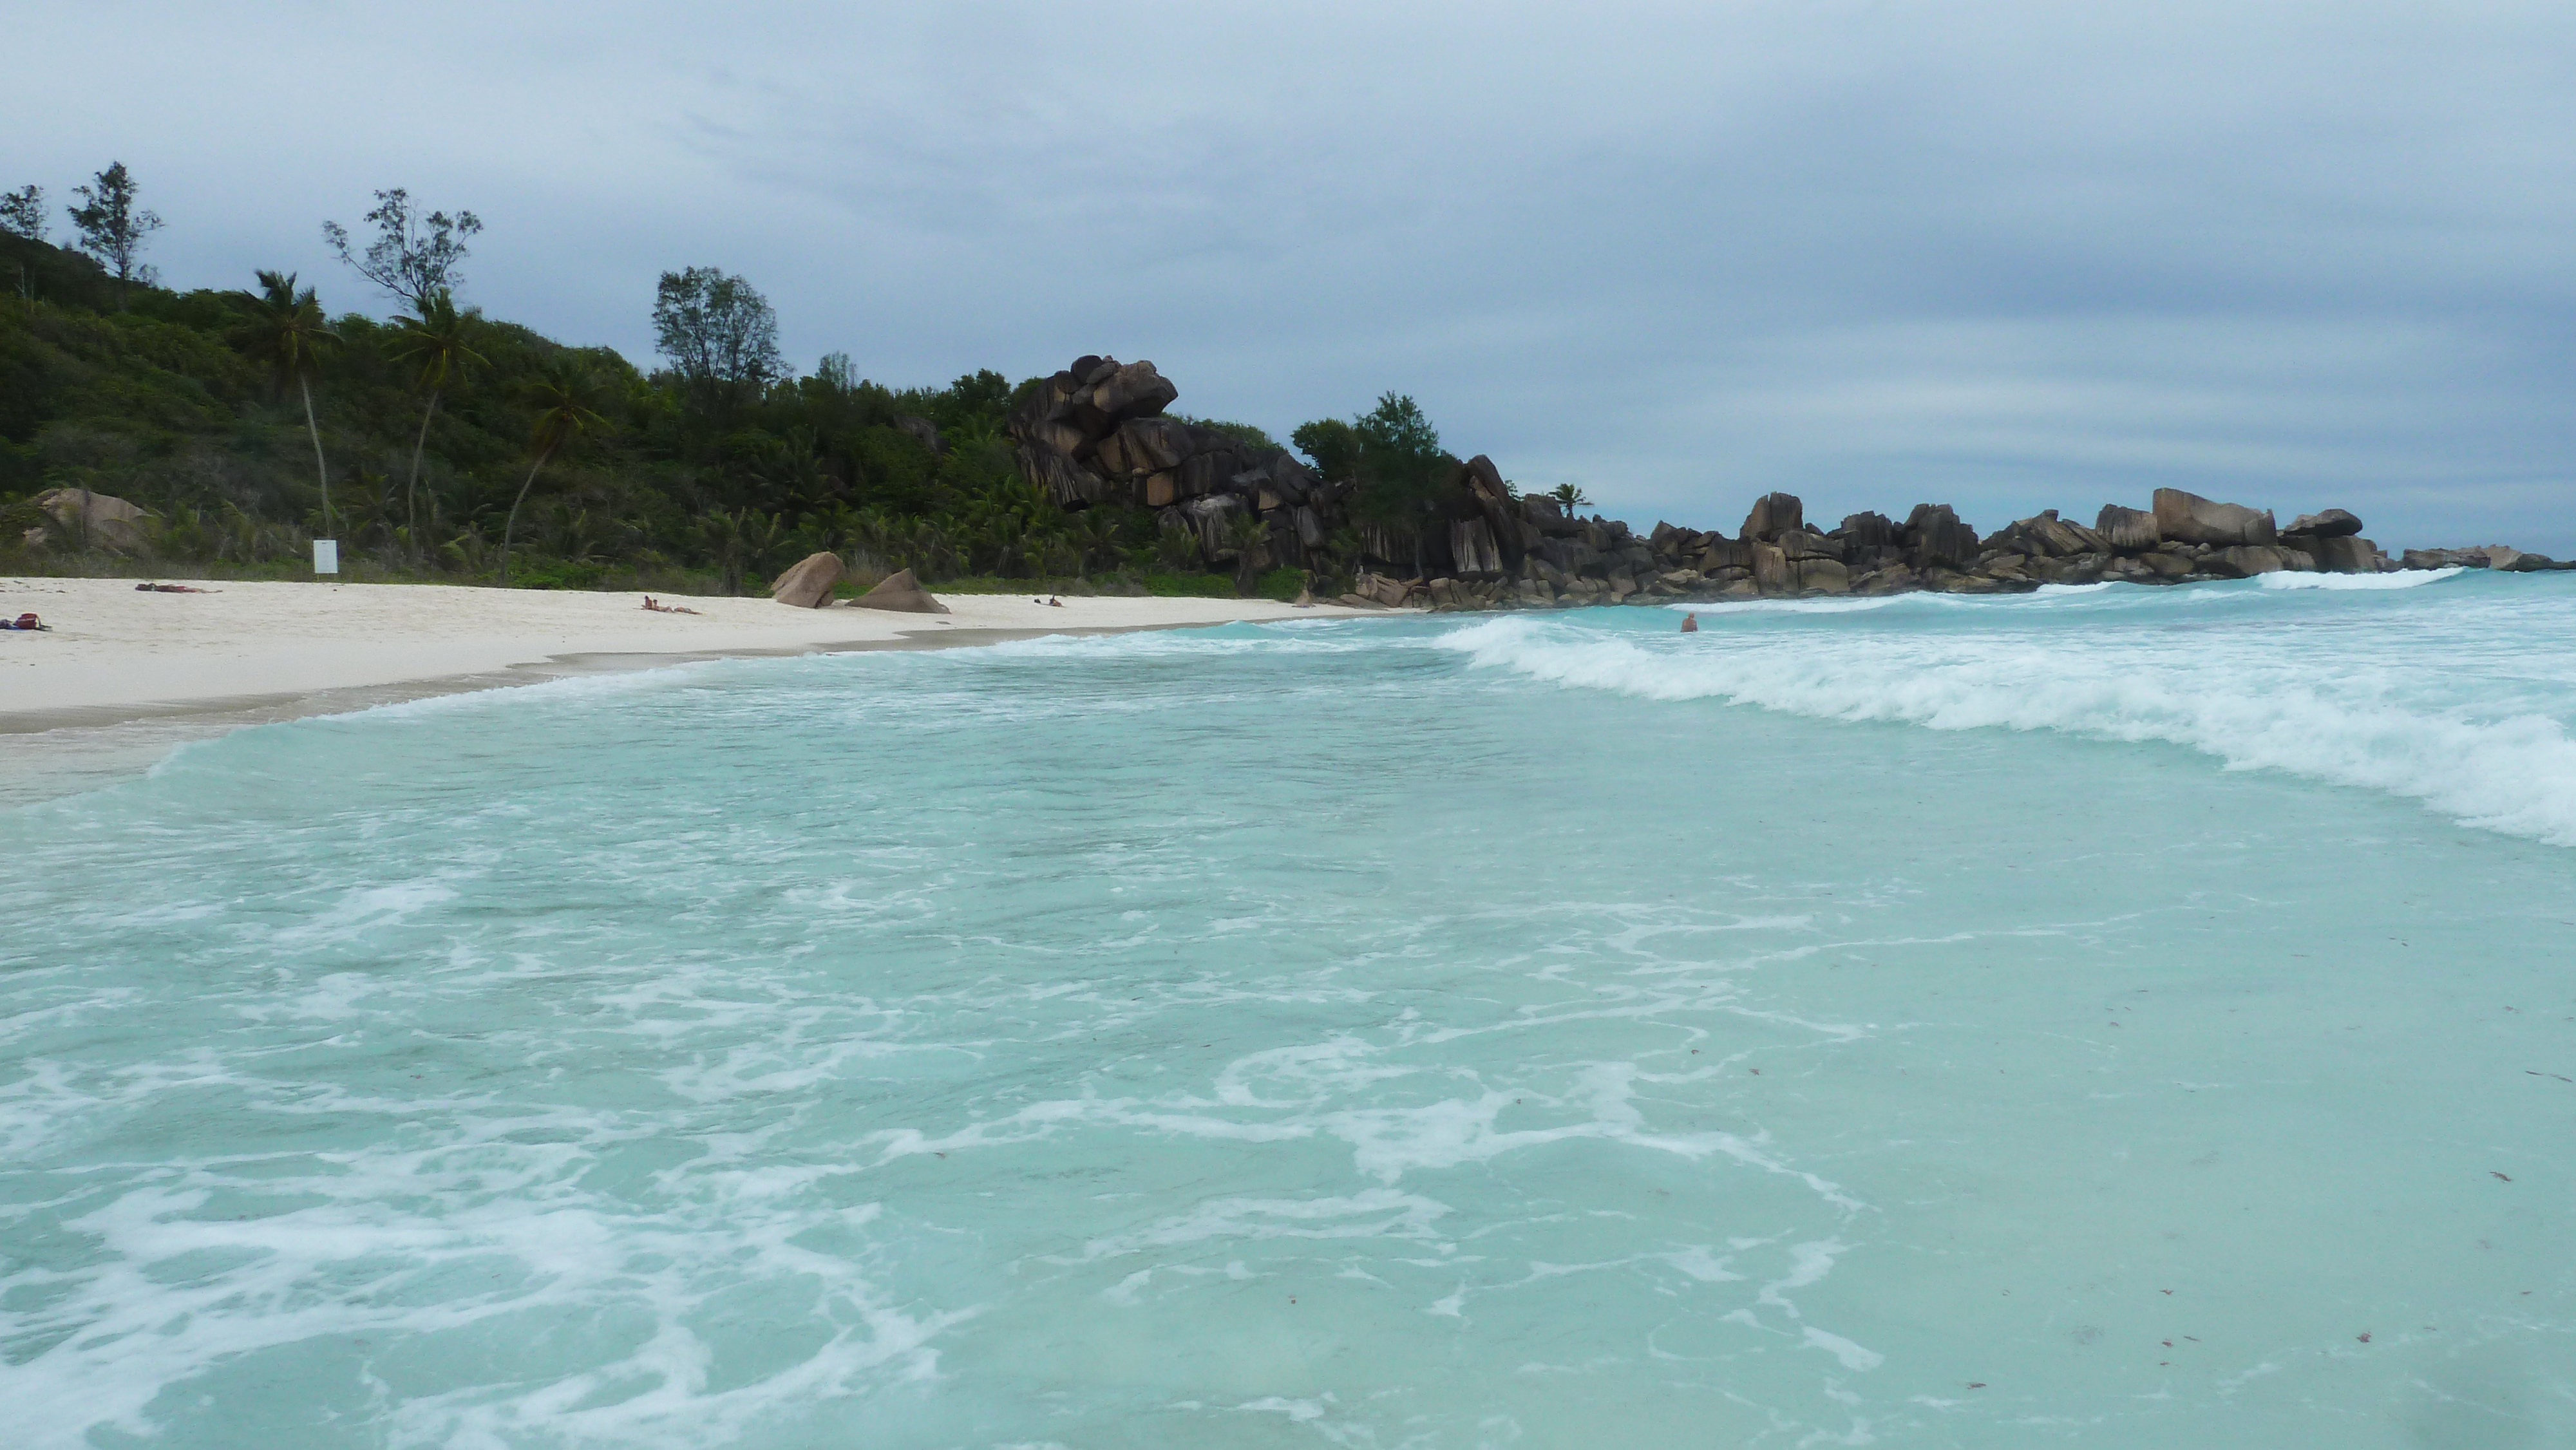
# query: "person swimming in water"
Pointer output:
{"type": "Point", "coordinates": [1690, 624]}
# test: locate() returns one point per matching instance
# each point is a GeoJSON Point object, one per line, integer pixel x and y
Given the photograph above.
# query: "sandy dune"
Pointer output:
{"type": "Point", "coordinates": [115, 652]}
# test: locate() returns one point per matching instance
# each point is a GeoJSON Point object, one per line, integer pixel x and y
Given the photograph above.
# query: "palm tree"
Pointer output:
{"type": "Point", "coordinates": [1570, 497]}
{"type": "Point", "coordinates": [1095, 537]}
{"type": "Point", "coordinates": [435, 343]}
{"type": "Point", "coordinates": [562, 394]}
{"type": "Point", "coordinates": [1249, 538]}
{"type": "Point", "coordinates": [287, 330]}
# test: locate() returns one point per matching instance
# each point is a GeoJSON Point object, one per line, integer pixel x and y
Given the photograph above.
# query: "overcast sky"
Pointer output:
{"type": "Point", "coordinates": [2007, 256]}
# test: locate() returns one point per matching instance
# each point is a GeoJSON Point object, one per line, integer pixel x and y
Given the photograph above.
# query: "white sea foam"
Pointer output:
{"type": "Point", "coordinates": [2384, 722]}
{"type": "Point", "coordinates": [2402, 579]}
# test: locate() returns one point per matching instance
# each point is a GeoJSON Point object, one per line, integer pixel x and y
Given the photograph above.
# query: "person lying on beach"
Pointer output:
{"type": "Point", "coordinates": [1058, 603]}
{"type": "Point", "coordinates": [25, 621]}
{"type": "Point", "coordinates": [170, 589]}
{"type": "Point", "coordinates": [660, 608]}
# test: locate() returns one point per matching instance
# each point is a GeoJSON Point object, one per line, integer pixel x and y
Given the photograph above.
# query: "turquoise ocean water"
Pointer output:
{"type": "Point", "coordinates": [2108, 1017]}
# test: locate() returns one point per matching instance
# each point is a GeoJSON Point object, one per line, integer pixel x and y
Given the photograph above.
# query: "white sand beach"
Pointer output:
{"type": "Point", "coordinates": [114, 652]}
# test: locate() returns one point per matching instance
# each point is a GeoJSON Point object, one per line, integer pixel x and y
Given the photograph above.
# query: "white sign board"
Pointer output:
{"type": "Point", "coordinates": [326, 556]}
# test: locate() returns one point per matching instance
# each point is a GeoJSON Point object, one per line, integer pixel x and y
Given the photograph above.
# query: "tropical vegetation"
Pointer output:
{"type": "Point", "coordinates": [444, 444]}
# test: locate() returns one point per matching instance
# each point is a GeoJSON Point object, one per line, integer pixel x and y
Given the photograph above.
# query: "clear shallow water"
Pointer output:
{"type": "Point", "coordinates": [1522, 1031]}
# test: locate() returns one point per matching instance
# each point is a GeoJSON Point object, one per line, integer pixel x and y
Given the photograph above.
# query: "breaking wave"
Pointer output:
{"type": "Point", "coordinates": [2325, 716]}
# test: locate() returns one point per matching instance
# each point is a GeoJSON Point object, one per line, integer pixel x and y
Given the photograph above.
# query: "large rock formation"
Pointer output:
{"type": "Point", "coordinates": [808, 583]}
{"type": "Point", "coordinates": [1095, 433]}
{"type": "Point", "coordinates": [2127, 530]}
{"type": "Point", "coordinates": [901, 593]}
{"type": "Point", "coordinates": [2191, 519]}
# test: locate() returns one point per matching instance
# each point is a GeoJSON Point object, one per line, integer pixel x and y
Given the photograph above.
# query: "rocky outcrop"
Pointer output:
{"type": "Point", "coordinates": [1935, 539]}
{"type": "Point", "coordinates": [1098, 433]}
{"type": "Point", "coordinates": [2046, 535]}
{"type": "Point", "coordinates": [901, 593]}
{"type": "Point", "coordinates": [2331, 524]}
{"type": "Point", "coordinates": [1773, 515]}
{"type": "Point", "coordinates": [91, 520]}
{"type": "Point", "coordinates": [2339, 553]}
{"type": "Point", "coordinates": [808, 584]}
{"type": "Point", "coordinates": [2191, 519]}
{"type": "Point", "coordinates": [2127, 530]}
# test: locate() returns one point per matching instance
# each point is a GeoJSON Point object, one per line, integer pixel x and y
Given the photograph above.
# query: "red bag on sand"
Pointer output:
{"type": "Point", "coordinates": [28, 621]}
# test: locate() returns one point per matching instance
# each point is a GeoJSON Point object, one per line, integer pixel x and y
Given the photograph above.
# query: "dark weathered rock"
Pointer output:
{"type": "Point", "coordinates": [807, 584]}
{"type": "Point", "coordinates": [1799, 544]}
{"type": "Point", "coordinates": [2196, 520]}
{"type": "Point", "coordinates": [1721, 552]}
{"type": "Point", "coordinates": [2345, 554]}
{"type": "Point", "coordinates": [1887, 579]}
{"type": "Point", "coordinates": [2126, 530]}
{"type": "Point", "coordinates": [1471, 546]}
{"type": "Point", "coordinates": [2445, 559]}
{"type": "Point", "coordinates": [2244, 561]}
{"type": "Point", "coordinates": [1133, 391]}
{"type": "Point", "coordinates": [1774, 514]}
{"type": "Point", "coordinates": [1771, 571]}
{"type": "Point", "coordinates": [2331, 524]}
{"type": "Point", "coordinates": [2074, 569]}
{"type": "Point", "coordinates": [1144, 445]}
{"type": "Point", "coordinates": [1935, 539]}
{"type": "Point", "coordinates": [2046, 535]}
{"type": "Point", "coordinates": [1055, 474]}
{"type": "Point", "coordinates": [1866, 531]}
{"type": "Point", "coordinates": [1210, 515]}
{"type": "Point", "coordinates": [901, 593]}
{"type": "Point", "coordinates": [922, 431]}
{"type": "Point", "coordinates": [1823, 575]}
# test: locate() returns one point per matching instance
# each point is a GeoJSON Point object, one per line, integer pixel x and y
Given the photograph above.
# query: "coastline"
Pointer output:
{"type": "Point", "coordinates": [125, 675]}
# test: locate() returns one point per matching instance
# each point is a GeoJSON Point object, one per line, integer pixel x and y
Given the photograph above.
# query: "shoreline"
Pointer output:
{"type": "Point", "coordinates": [124, 676]}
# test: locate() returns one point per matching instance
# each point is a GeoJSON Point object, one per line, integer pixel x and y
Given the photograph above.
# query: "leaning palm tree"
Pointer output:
{"type": "Point", "coordinates": [562, 394]}
{"type": "Point", "coordinates": [434, 343]}
{"type": "Point", "coordinates": [287, 331]}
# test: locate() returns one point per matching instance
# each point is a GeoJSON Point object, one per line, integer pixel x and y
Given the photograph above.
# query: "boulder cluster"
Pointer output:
{"type": "Point", "coordinates": [1096, 433]}
{"type": "Point", "coordinates": [1545, 558]}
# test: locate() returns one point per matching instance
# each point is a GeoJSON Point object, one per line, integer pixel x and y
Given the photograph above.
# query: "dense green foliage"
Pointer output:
{"type": "Point", "coordinates": [184, 404]}
{"type": "Point", "coordinates": [446, 444]}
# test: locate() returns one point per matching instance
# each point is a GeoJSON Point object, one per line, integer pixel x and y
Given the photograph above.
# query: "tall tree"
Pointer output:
{"type": "Point", "coordinates": [22, 213]}
{"type": "Point", "coordinates": [719, 333]}
{"type": "Point", "coordinates": [414, 257]}
{"type": "Point", "coordinates": [562, 394]}
{"type": "Point", "coordinates": [1398, 460]}
{"type": "Point", "coordinates": [434, 342]}
{"type": "Point", "coordinates": [112, 229]}
{"type": "Point", "coordinates": [287, 331]}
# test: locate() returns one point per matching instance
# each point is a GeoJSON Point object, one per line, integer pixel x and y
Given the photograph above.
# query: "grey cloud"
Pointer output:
{"type": "Point", "coordinates": [2013, 256]}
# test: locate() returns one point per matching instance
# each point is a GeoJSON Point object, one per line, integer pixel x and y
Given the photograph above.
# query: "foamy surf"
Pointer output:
{"type": "Point", "coordinates": [2402, 579]}
{"type": "Point", "coordinates": [2394, 715]}
{"type": "Point", "coordinates": [1390, 1031]}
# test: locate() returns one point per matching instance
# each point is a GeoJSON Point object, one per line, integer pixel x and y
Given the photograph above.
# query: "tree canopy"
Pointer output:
{"type": "Point", "coordinates": [414, 257]}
